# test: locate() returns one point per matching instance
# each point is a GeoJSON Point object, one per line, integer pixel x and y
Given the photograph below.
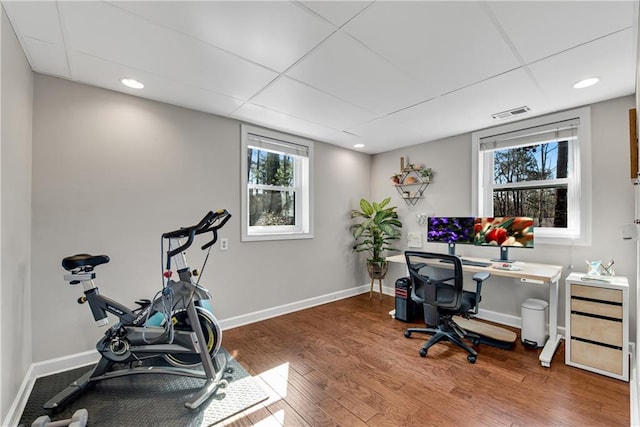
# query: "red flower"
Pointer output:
{"type": "Point", "coordinates": [499, 235]}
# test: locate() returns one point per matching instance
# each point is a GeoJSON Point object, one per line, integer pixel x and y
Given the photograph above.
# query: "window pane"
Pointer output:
{"type": "Point", "coordinates": [269, 168]}
{"type": "Point", "coordinates": [531, 163]}
{"type": "Point", "coordinates": [547, 206]}
{"type": "Point", "coordinates": [271, 208]}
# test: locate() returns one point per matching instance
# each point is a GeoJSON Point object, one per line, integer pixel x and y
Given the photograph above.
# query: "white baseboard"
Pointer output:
{"type": "Point", "coordinates": [17, 407]}
{"type": "Point", "coordinates": [246, 319]}
{"type": "Point", "coordinates": [41, 369]}
{"type": "Point", "coordinates": [52, 366]}
{"type": "Point", "coordinates": [60, 364]}
{"type": "Point", "coordinates": [633, 387]}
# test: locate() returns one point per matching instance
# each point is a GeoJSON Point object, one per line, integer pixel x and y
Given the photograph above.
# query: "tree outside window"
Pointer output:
{"type": "Point", "coordinates": [534, 167]}
{"type": "Point", "coordinates": [271, 188]}
{"type": "Point", "coordinates": [276, 185]}
{"type": "Point", "coordinates": [538, 168]}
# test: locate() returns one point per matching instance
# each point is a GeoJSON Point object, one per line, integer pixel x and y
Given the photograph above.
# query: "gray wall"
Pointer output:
{"type": "Point", "coordinates": [112, 172]}
{"type": "Point", "coordinates": [450, 195]}
{"type": "Point", "coordinates": [16, 88]}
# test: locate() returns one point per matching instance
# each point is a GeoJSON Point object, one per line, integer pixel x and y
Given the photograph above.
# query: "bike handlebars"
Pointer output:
{"type": "Point", "coordinates": [212, 222]}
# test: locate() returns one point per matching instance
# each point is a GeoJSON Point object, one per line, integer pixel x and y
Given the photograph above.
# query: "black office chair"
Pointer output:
{"type": "Point", "coordinates": [437, 284]}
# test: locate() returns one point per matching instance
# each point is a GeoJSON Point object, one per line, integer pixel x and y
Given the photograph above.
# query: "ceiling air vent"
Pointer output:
{"type": "Point", "coordinates": [511, 113]}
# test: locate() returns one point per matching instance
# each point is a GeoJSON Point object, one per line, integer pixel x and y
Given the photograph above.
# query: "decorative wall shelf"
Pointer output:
{"type": "Point", "coordinates": [411, 183]}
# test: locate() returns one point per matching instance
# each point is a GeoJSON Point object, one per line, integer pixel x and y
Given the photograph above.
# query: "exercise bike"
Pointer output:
{"type": "Point", "coordinates": [177, 324]}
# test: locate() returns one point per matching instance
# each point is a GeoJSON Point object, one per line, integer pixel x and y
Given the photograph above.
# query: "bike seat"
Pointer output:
{"type": "Point", "coordinates": [80, 260]}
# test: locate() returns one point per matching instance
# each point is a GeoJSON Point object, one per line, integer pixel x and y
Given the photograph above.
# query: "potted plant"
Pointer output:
{"type": "Point", "coordinates": [379, 226]}
{"type": "Point", "coordinates": [426, 174]}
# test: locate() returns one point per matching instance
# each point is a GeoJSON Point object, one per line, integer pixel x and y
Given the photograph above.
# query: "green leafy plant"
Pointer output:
{"type": "Point", "coordinates": [379, 226]}
{"type": "Point", "coordinates": [426, 173]}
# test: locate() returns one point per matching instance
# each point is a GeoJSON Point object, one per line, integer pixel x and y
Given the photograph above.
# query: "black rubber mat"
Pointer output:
{"type": "Point", "coordinates": [146, 400]}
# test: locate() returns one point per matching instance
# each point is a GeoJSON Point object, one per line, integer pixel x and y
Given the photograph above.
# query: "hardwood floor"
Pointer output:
{"type": "Point", "coordinates": [348, 363]}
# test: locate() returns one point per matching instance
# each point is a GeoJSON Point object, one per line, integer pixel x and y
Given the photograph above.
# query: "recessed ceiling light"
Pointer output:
{"type": "Point", "coordinates": [586, 83]}
{"type": "Point", "coordinates": [358, 145]}
{"type": "Point", "coordinates": [132, 83]}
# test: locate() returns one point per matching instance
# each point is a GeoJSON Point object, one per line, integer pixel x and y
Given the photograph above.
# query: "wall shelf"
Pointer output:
{"type": "Point", "coordinates": [411, 184]}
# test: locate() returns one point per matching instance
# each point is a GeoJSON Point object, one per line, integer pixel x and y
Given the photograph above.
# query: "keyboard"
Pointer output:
{"type": "Point", "coordinates": [469, 262]}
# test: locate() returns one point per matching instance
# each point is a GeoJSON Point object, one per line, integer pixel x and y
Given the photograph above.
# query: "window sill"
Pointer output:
{"type": "Point", "coordinates": [275, 236]}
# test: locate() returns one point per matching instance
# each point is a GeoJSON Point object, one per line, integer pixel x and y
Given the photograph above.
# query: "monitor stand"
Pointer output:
{"type": "Point", "coordinates": [452, 248]}
{"type": "Point", "coordinates": [504, 255]}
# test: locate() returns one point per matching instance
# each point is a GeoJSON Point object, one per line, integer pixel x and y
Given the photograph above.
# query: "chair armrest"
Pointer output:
{"type": "Point", "coordinates": [482, 276]}
{"type": "Point", "coordinates": [479, 278]}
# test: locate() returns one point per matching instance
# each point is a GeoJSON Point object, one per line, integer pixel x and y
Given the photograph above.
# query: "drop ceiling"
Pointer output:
{"type": "Point", "coordinates": [386, 74]}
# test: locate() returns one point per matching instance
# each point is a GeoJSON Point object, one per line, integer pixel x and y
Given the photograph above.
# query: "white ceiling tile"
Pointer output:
{"type": "Point", "coordinates": [470, 108]}
{"type": "Point", "coordinates": [105, 74]}
{"type": "Point", "coordinates": [348, 70]}
{"type": "Point", "coordinates": [378, 133]}
{"type": "Point", "coordinates": [105, 31]}
{"type": "Point", "coordinates": [36, 19]}
{"type": "Point", "coordinates": [345, 139]}
{"type": "Point", "coordinates": [296, 99]}
{"type": "Point", "coordinates": [473, 106]}
{"type": "Point", "coordinates": [447, 45]}
{"type": "Point", "coordinates": [550, 27]}
{"type": "Point", "coordinates": [444, 67]}
{"type": "Point", "coordinates": [275, 34]}
{"type": "Point", "coordinates": [337, 12]}
{"type": "Point", "coordinates": [611, 58]}
{"type": "Point", "coordinates": [280, 121]}
{"type": "Point", "coordinates": [47, 59]}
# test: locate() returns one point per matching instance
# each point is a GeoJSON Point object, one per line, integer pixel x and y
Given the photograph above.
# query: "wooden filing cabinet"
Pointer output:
{"type": "Point", "coordinates": [597, 325]}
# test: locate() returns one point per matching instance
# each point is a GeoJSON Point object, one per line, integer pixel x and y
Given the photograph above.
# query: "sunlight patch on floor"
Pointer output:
{"type": "Point", "coordinates": [275, 382]}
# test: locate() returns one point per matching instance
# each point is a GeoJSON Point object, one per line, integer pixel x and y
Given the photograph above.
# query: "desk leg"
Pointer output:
{"type": "Point", "coordinates": [554, 338]}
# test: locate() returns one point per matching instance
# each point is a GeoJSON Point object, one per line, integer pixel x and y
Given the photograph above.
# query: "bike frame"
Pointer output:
{"type": "Point", "coordinates": [101, 304]}
{"type": "Point", "coordinates": [190, 297]}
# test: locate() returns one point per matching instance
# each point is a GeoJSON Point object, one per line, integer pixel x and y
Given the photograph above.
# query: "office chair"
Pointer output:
{"type": "Point", "coordinates": [437, 284]}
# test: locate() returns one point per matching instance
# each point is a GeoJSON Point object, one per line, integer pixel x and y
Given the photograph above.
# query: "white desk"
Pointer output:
{"type": "Point", "coordinates": [538, 274]}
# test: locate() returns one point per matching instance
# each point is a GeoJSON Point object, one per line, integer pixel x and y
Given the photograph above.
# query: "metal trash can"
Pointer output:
{"type": "Point", "coordinates": [535, 315]}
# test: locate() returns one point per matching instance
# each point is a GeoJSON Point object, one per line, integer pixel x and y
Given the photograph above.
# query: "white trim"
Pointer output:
{"type": "Point", "coordinates": [268, 313]}
{"type": "Point", "coordinates": [78, 360]}
{"type": "Point", "coordinates": [633, 387]}
{"type": "Point", "coordinates": [42, 369]}
{"type": "Point", "coordinates": [581, 168]}
{"type": "Point", "coordinates": [60, 364]}
{"type": "Point", "coordinates": [306, 182]}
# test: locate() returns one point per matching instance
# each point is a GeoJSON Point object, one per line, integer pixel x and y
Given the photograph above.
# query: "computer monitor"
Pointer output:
{"type": "Point", "coordinates": [504, 232]}
{"type": "Point", "coordinates": [451, 230]}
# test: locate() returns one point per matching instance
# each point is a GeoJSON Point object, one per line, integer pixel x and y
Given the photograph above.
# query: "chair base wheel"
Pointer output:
{"type": "Point", "coordinates": [407, 334]}
{"type": "Point", "coordinates": [422, 352]}
{"type": "Point", "coordinates": [471, 358]}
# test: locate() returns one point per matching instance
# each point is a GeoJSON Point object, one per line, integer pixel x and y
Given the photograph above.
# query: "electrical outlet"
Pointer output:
{"type": "Point", "coordinates": [414, 240]}
{"type": "Point", "coordinates": [224, 244]}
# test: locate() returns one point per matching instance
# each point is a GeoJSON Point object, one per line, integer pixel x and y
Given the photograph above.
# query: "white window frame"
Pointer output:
{"type": "Point", "coordinates": [303, 187]}
{"type": "Point", "coordinates": [578, 231]}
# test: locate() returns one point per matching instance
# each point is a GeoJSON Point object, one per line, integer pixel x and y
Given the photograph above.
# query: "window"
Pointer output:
{"type": "Point", "coordinates": [276, 185]}
{"type": "Point", "coordinates": [537, 168]}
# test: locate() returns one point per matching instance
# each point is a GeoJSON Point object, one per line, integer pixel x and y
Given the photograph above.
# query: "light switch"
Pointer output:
{"type": "Point", "coordinates": [414, 240]}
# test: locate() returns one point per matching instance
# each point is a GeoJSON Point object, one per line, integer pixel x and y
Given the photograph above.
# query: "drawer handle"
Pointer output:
{"type": "Point", "coordinates": [597, 316]}
{"type": "Point", "coordinates": [615, 347]}
{"type": "Point", "coordinates": [599, 301]}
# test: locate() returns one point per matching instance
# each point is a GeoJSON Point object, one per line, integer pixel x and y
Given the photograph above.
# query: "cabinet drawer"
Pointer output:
{"type": "Point", "coordinates": [594, 329]}
{"type": "Point", "coordinates": [598, 308]}
{"type": "Point", "coordinates": [602, 294]}
{"type": "Point", "coordinates": [596, 356]}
